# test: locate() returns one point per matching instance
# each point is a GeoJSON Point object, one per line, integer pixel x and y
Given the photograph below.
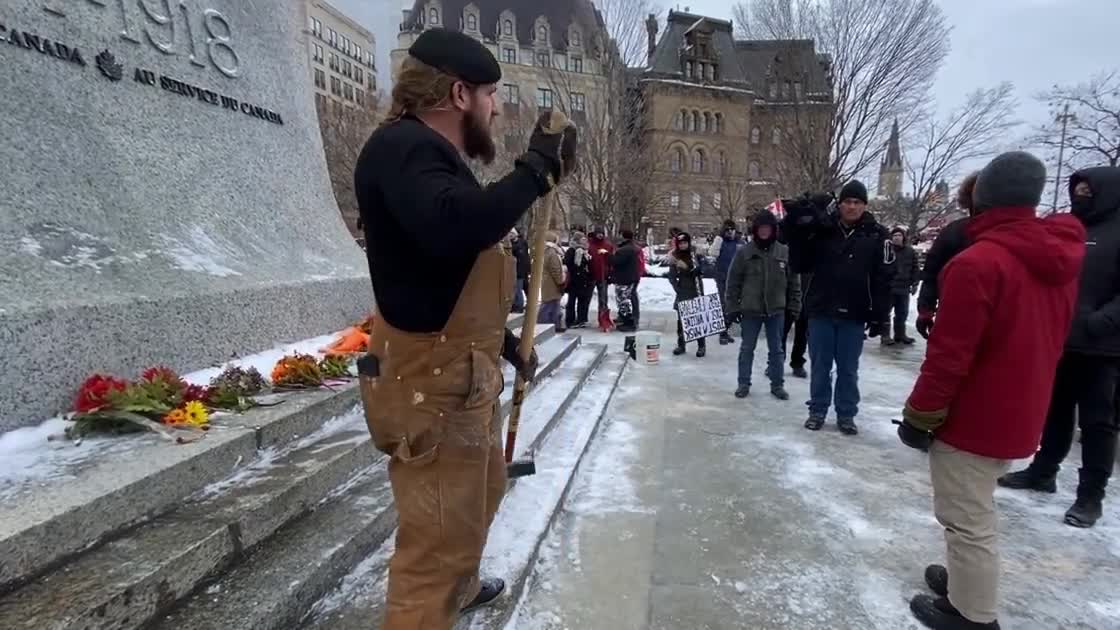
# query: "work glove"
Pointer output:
{"type": "Point", "coordinates": [874, 329]}
{"type": "Point", "coordinates": [511, 352]}
{"type": "Point", "coordinates": [928, 421]}
{"type": "Point", "coordinates": [924, 323]}
{"type": "Point", "coordinates": [552, 149]}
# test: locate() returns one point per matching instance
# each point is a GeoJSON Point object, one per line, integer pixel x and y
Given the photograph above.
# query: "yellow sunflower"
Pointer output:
{"type": "Point", "coordinates": [196, 414]}
{"type": "Point", "coordinates": [177, 416]}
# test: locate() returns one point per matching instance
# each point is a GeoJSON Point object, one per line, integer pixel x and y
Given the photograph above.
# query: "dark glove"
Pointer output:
{"type": "Point", "coordinates": [511, 352]}
{"type": "Point", "coordinates": [733, 318]}
{"type": "Point", "coordinates": [914, 437]}
{"type": "Point", "coordinates": [552, 149]}
{"type": "Point", "coordinates": [874, 329]}
{"type": "Point", "coordinates": [924, 323]}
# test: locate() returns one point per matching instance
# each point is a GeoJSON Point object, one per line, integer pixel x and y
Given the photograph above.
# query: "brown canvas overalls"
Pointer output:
{"type": "Point", "coordinates": [434, 410]}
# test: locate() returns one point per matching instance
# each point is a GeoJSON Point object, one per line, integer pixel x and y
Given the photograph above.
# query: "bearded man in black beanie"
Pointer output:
{"type": "Point", "coordinates": [848, 254]}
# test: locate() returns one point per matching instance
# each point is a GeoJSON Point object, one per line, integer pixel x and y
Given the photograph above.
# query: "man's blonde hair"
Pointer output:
{"type": "Point", "coordinates": [419, 87]}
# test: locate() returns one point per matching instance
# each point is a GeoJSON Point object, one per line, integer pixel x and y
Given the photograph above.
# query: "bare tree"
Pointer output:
{"type": "Point", "coordinates": [1092, 128]}
{"type": "Point", "coordinates": [345, 130]}
{"type": "Point", "coordinates": [612, 186]}
{"type": "Point", "coordinates": [979, 128]}
{"type": "Point", "coordinates": [883, 57]}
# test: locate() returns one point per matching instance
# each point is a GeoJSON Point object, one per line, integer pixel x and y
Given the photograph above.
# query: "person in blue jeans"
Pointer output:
{"type": "Point", "coordinates": [761, 288]}
{"type": "Point", "coordinates": [847, 251]}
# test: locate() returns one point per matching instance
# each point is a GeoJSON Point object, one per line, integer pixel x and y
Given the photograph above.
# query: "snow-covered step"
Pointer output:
{"type": "Point", "coordinates": [277, 585]}
{"type": "Point", "coordinates": [111, 504]}
{"type": "Point", "coordinates": [578, 399]}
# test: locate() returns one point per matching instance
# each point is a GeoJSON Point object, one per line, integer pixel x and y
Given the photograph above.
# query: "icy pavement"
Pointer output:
{"type": "Point", "coordinates": [697, 510]}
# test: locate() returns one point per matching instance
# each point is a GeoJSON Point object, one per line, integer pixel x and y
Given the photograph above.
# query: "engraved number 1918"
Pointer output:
{"type": "Point", "coordinates": [163, 32]}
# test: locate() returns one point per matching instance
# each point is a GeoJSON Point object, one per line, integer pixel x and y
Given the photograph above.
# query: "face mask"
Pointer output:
{"type": "Point", "coordinates": [1081, 206]}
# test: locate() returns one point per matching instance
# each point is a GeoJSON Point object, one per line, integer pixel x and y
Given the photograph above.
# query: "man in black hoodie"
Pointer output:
{"type": "Point", "coordinates": [904, 283]}
{"type": "Point", "coordinates": [1090, 367]}
{"type": "Point", "coordinates": [951, 241]}
{"type": "Point", "coordinates": [626, 263]}
{"type": "Point", "coordinates": [846, 252]}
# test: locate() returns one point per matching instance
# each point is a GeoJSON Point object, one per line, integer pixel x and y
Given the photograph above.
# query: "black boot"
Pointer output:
{"type": "Point", "coordinates": [701, 352]}
{"type": "Point", "coordinates": [779, 392]}
{"type": "Point", "coordinates": [743, 391]}
{"type": "Point", "coordinates": [815, 422]}
{"type": "Point", "coordinates": [1085, 513]}
{"type": "Point", "coordinates": [491, 589]}
{"type": "Point", "coordinates": [939, 614]}
{"type": "Point", "coordinates": [725, 339]}
{"type": "Point", "coordinates": [678, 351]}
{"type": "Point", "coordinates": [847, 426]}
{"type": "Point", "coordinates": [937, 579]}
{"type": "Point", "coordinates": [1028, 479]}
{"type": "Point", "coordinates": [800, 372]}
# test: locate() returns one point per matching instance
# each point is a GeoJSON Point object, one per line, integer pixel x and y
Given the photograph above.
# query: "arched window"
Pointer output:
{"type": "Point", "coordinates": [472, 22]}
{"type": "Point", "coordinates": [698, 121]}
{"type": "Point", "coordinates": [777, 136]}
{"type": "Point", "coordinates": [507, 28]}
{"type": "Point", "coordinates": [719, 124]}
{"type": "Point", "coordinates": [785, 91]}
{"type": "Point", "coordinates": [712, 72]}
{"type": "Point", "coordinates": [756, 135]}
{"type": "Point", "coordinates": [433, 15]}
{"type": "Point", "coordinates": [542, 34]}
{"type": "Point", "coordinates": [698, 161]}
{"type": "Point", "coordinates": [721, 162]}
{"type": "Point", "coordinates": [577, 39]}
{"type": "Point", "coordinates": [753, 171]}
{"type": "Point", "coordinates": [691, 120]}
{"type": "Point", "coordinates": [676, 161]}
{"type": "Point", "coordinates": [688, 72]}
{"type": "Point", "coordinates": [707, 122]}
{"type": "Point", "coordinates": [700, 70]}
{"type": "Point", "coordinates": [678, 121]}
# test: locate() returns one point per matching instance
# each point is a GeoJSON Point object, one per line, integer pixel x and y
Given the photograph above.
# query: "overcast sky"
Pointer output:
{"type": "Point", "coordinates": [1031, 43]}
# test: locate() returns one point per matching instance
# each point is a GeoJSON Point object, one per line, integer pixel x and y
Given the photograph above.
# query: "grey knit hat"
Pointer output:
{"type": "Point", "coordinates": [1015, 178]}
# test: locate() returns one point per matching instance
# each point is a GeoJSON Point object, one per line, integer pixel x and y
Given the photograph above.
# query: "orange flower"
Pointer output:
{"type": "Point", "coordinates": [177, 416]}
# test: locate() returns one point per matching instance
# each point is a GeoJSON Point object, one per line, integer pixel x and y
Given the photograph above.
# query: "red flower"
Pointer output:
{"type": "Point", "coordinates": [165, 374]}
{"type": "Point", "coordinates": [93, 393]}
{"type": "Point", "coordinates": [196, 393]}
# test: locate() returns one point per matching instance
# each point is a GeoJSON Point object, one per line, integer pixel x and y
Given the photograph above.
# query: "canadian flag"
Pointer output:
{"type": "Point", "coordinates": [778, 209]}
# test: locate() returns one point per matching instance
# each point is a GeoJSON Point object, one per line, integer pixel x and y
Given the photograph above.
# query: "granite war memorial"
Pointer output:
{"type": "Point", "coordinates": [164, 198]}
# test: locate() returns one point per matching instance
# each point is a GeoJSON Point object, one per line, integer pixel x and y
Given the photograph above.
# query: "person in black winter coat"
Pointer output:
{"type": "Point", "coordinates": [904, 283]}
{"type": "Point", "coordinates": [520, 248]}
{"type": "Point", "coordinates": [687, 280]}
{"type": "Point", "coordinates": [952, 240]}
{"type": "Point", "coordinates": [1089, 370]}
{"type": "Point", "coordinates": [577, 260]}
{"type": "Point", "coordinates": [847, 252]}
{"type": "Point", "coordinates": [627, 264]}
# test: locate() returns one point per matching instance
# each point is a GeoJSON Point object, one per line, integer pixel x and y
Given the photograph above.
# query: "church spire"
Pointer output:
{"type": "Point", "coordinates": [893, 158]}
{"type": "Point", "coordinates": [890, 169]}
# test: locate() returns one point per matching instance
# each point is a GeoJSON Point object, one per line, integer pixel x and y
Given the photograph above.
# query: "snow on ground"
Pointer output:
{"type": "Point", "coordinates": [697, 510]}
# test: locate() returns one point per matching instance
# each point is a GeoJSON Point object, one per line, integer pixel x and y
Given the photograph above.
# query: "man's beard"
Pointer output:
{"type": "Point", "coordinates": [477, 141]}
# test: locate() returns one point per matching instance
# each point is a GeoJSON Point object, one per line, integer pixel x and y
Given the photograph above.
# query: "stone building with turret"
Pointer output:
{"type": "Point", "coordinates": [719, 114]}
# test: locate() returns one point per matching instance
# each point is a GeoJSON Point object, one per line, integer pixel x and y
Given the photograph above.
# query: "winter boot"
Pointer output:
{"type": "Point", "coordinates": [491, 589]}
{"type": "Point", "coordinates": [1028, 479]}
{"type": "Point", "coordinates": [937, 579]}
{"type": "Point", "coordinates": [847, 426]}
{"type": "Point", "coordinates": [679, 350]}
{"type": "Point", "coordinates": [701, 352]}
{"type": "Point", "coordinates": [779, 392]}
{"type": "Point", "coordinates": [904, 340]}
{"type": "Point", "coordinates": [815, 422]}
{"type": "Point", "coordinates": [800, 372]}
{"type": "Point", "coordinates": [725, 338]}
{"type": "Point", "coordinates": [886, 341]}
{"type": "Point", "coordinates": [1084, 514]}
{"type": "Point", "coordinates": [939, 614]}
{"type": "Point", "coordinates": [743, 391]}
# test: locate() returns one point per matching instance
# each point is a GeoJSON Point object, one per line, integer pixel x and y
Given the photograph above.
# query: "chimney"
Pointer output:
{"type": "Point", "coordinates": [651, 31]}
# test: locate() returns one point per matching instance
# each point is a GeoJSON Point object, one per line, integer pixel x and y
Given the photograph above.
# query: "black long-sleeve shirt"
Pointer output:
{"type": "Point", "coordinates": [952, 240]}
{"type": "Point", "coordinates": [426, 219]}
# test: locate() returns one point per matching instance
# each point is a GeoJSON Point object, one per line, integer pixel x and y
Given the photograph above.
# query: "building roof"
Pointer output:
{"type": "Point", "coordinates": [323, 5]}
{"type": "Point", "coordinates": [893, 159]}
{"type": "Point", "coordinates": [744, 62]}
{"type": "Point", "coordinates": [561, 14]}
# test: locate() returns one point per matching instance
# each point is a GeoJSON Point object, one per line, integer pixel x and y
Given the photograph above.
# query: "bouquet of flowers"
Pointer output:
{"type": "Point", "coordinates": [160, 398]}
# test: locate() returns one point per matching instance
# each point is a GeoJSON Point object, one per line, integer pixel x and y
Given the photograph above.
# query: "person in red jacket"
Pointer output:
{"type": "Point", "coordinates": [601, 250]}
{"type": "Point", "coordinates": [980, 401]}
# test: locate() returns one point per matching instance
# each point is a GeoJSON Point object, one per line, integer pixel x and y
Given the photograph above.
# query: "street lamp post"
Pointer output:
{"type": "Point", "coordinates": [1061, 156]}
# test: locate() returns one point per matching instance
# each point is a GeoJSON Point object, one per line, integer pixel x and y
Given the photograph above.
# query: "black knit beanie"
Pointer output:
{"type": "Point", "coordinates": [1015, 178]}
{"type": "Point", "coordinates": [853, 190]}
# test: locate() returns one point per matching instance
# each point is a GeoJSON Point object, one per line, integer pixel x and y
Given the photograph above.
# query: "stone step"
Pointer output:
{"type": "Point", "coordinates": [161, 560]}
{"type": "Point", "coordinates": [522, 523]}
{"type": "Point", "coordinates": [276, 587]}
